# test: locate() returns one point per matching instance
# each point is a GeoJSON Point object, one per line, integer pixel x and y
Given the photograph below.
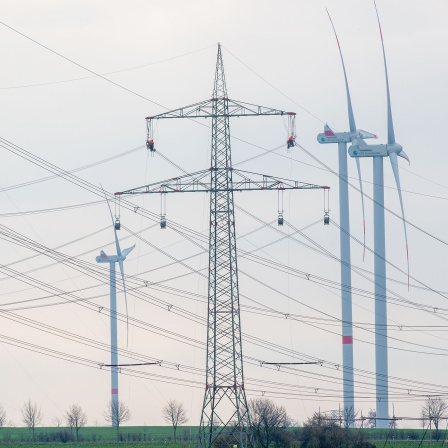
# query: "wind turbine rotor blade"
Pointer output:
{"type": "Point", "coordinates": [394, 164]}
{"type": "Point", "coordinates": [404, 155]}
{"type": "Point", "coordinates": [390, 123]}
{"type": "Point", "coordinates": [126, 252]}
{"type": "Point", "coordinates": [365, 134]}
{"type": "Point", "coordinates": [360, 143]}
{"type": "Point", "coordinates": [358, 166]}
{"type": "Point", "coordinates": [125, 300]}
{"type": "Point", "coordinates": [351, 117]}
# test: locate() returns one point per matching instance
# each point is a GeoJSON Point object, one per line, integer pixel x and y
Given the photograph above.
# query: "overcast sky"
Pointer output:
{"type": "Point", "coordinates": [281, 55]}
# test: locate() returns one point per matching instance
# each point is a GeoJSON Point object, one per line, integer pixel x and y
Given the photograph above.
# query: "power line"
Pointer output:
{"type": "Point", "coordinates": [81, 66]}
{"type": "Point", "coordinates": [104, 347]}
{"type": "Point", "coordinates": [75, 170]}
{"type": "Point", "coordinates": [46, 165]}
{"type": "Point", "coordinates": [50, 210]}
{"type": "Point", "coordinates": [270, 344]}
{"type": "Point", "coordinates": [370, 198]}
{"type": "Point", "coordinates": [107, 73]}
{"type": "Point", "coordinates": [55, 168]}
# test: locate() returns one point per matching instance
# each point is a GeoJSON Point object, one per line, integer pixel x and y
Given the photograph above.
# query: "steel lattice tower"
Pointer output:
{"type": "Point", "coordinates": [225, 403]}
{"type": "Point", "coordinates": [225, 415]}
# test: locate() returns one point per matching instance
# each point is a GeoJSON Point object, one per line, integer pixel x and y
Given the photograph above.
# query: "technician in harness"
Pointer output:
{"type": "Point", "coordinates": [290, 142]}
{"type": "Point", "coordinates": [150, 145]}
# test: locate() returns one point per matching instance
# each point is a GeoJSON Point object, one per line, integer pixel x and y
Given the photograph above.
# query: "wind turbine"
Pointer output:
{"type": "Point", "coordinates": [342, 138]}
{"type": "Point", "coordinates": [112, 259]}
{"type": "Point", "coordinates": [392, 150]}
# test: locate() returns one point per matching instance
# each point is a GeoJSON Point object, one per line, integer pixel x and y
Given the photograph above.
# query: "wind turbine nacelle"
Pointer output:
{"type": "Point", "coordinates": [336, 137]}
{"type": "Point", "coordinates": [364, 150]}
{"type": "Point", "coordinates": [329, 136]}
{"type": "Point", "coordinates": [109, 259]}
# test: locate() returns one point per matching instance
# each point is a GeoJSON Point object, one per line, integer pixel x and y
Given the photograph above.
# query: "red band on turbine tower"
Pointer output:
{"type": "Point", "coordinates": [347, 339]}
{"type": "Point", "coordinates": [115, 391]}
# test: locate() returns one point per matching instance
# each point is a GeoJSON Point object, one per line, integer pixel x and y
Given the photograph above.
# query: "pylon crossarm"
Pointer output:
{"type": "Point", "coordinates": [242, 109]}
{"type": "Point", "coordinates": [204, 109]}
{"type": "Point", "coordinates": [188, 182]}
{"type": "Point", "coordinates": [242, 181]}
{"type": "Point", "coordinates": [256, 181]}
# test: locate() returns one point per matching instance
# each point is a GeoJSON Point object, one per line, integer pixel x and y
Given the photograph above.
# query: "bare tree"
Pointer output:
{"type": "Point", "coordinates": [433, 410]}
{"type": "Point", "coordinates": [117, 413]}
{"type": "Point", "coordinates": [2, 415]}
{"type": "Point", "coordinates": [322, 430]}
{"type": "Point", "coordinates": [267, 419]}
{"type": "Point", "coordinates": [32, 416]}
{"type": "Point", "coordinates": [345, 417]}
{"type": "Point", "coordinates": [175, 414]}
{"type": "Point", "coordinates": [350, 416]}
{"type": "Point", "coordinates": [57, 421]}
{"type": "Point", "coordinates": [393, 423]}
{"type": "Point", "coordinates": [76, 418]}
{"type": "Point", "coordinates": [371, 418]}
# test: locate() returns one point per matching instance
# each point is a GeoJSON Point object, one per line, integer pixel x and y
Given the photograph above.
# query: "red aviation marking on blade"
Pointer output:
{"type": "Point", "coordinates": [115, 391]}
{"type": "Point", "coordinates": [337, 40]}
{"type": "Point", "coordinates": [329, 133]}
{"type": "Point", "coordinates": [347, 339]}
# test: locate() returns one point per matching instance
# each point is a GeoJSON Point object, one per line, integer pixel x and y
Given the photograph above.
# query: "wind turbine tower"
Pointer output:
{"type": "Point", "coordinates": [342, 138]}
{"type": "Point", "coordinates": [392, 150]}
{"type": "Point", "coordinates": [112, 260]}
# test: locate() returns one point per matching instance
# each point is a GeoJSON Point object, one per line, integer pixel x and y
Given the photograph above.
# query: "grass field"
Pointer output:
{"type": "Point", "coordinates": [379, 444]}
{"type": "Point", "coordinates": [101, 433]}
{"type": "Point", "coordinates": [162, 437]}
{"type": "Point", "coordinates": [412, 444]}
{"type": "Point", "coordinates": [104, 445]}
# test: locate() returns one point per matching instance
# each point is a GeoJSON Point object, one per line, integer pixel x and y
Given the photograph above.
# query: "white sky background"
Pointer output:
{"type": "Point", "coordinates": [79, 122]}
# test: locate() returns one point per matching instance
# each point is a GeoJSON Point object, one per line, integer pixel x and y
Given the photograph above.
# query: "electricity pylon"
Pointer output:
{"type": "Point", "coordinates": [225, 413]}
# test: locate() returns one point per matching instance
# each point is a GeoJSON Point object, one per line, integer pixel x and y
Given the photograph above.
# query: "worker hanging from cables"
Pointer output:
{"type": "Point", "coordinates": [290, 143]}
{"type": "Point", "coordinates": [150, 136]}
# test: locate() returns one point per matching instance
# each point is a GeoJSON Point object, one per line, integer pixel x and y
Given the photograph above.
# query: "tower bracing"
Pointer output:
{"type": "Point", "coordinates": [224, 371]}
{"type": "Point", "coordinates": [225, 418]}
